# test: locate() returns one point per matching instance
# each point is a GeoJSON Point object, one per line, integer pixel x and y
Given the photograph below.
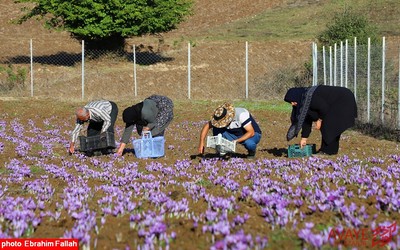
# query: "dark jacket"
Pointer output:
{"type": "Point", "coordinates": [337, 108]}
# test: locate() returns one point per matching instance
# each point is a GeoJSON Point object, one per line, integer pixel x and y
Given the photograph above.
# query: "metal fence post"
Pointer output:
{"type": "Point", "coordinates": [355, 67]}
{"type": "Point", "coordinates": [188, 66]}
{"type": "Point", "coordinates": [247, 70]}
{"type": "Point", "coordinates": [324, 63]}
{"type": "Point", "coordinates": [315, 64]}
{"type": "Point", "coordinates": [334, 64]}
{"type": "Point", "coordinates": [134, 68]}
{"type": "Point", "coordinates": [31, 50]}
{"type": "Point", "coordinates": [341, 63]}
{"type": "Point", "coordinates": [383, 80]}
{"type": "Point", "coordinates": [330, 66]}
{"type": "Point", "coordinates": [83, 69]}
{"type": "Point", "coordinates": [398, 96]}
{"type": "Point", "coordinates": [346, 58]}
{"type": "Point", "coordinates": [368, 80]}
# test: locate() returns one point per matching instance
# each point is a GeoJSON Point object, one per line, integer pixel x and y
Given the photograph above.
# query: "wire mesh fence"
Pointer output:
{"type": "Point", "coordinates": [203, 71]}
{"type": "Point", "coordinates": [371, 72]}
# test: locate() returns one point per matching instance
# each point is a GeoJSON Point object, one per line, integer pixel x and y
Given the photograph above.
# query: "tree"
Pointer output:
{"type": "Point", "coordinates": [100, 21]}
{"type": "Point", "coordinates": [346, 25]}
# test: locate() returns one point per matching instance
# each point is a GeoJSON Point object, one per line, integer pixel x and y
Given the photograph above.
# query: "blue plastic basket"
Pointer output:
{"type": "Point", "coordinates": [296, 151]}
{"type": "Point", "coordinates": [149, 147]}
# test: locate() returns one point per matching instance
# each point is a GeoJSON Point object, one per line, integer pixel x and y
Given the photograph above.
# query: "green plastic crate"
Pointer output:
{"type": "Point", "coordinates": [296, 151]}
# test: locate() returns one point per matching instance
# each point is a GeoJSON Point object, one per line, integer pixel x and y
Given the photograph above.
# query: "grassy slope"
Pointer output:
{"type": "Point", "coordinates": [256, 20]}
{"type": "Point", "coordinates": [304, 22]}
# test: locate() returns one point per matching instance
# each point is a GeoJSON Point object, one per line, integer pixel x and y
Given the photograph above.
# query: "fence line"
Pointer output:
{"type": "Point", "coordinates": [253, 71]}
{"type": "Point", "coordinates": [370, 67]}
{"type": "Point", "coordinates": [398, 94]}
{"type": "Point", "coordinates": [189, 70]}
{"type": "Point", "coordinates": [31, 64]}
{"type": "Point", "coordinates": [83, 70]}
{"type": "Point", "coordinates": [211, 71]}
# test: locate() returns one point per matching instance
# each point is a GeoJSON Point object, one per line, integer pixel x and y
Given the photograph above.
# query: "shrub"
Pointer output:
{"type": "Point", "coordinates": [347, 25]}
{"type": "Point", "coordinates": [13, 78]}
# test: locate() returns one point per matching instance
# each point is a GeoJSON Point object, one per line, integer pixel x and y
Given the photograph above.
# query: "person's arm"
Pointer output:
{"type": "Point", "coordinates": [306, 128]}
{"type": "Point", "coordinates": [106, 123]}
{"type": "Point", "coordinates": [125, 138]}
{"type": "Point", "coordinates": [249, 133]}
{"type": "Point", "coordinates": [74, 136]}
{"type": "Point", "coordinates": [305, 131]}
{"type": "Point", "coordinates": [246, 123]}
{"type": "Point", "coordinates": [203, 134]}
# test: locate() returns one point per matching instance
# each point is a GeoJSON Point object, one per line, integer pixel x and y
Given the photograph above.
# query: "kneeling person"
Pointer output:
{"type": "Point", "coordinates": [235, 124]}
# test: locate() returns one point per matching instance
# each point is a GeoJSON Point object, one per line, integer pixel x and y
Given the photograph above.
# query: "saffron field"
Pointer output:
{"type": "Point", "coordinates": [187, 201]}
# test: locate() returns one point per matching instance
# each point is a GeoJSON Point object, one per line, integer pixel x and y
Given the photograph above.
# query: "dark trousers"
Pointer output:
{"type": "Point", "coordinates": [94, 128]}
{"type": "Point", "coordinates": [331, 148]}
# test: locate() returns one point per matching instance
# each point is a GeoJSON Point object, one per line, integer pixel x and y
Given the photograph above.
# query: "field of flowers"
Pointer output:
{"type": "Point", "coordinates": [186, 201]}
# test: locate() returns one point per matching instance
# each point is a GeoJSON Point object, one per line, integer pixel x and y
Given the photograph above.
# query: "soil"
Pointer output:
{"type": "Point", "coordinates": [176, 176]}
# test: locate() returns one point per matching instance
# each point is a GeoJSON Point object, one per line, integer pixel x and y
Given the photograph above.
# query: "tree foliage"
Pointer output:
{"type": "Point", "coordinates": [102, 19]}
{"type": "Point", "coordinates": [347, 25]}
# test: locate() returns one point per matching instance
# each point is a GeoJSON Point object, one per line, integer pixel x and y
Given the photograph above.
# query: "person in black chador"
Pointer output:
{"type": "Point", "coordinates": [334, 110]}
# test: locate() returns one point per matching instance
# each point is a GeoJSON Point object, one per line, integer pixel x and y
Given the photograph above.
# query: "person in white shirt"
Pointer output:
{"type": "Point", "coordinates": [235, 124]}
{"type": "Point", "coordinates": [101, 116]}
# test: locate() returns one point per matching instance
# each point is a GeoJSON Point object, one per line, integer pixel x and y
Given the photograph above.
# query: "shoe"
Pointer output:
{"type": "Point", "coordinates": [107, 151]}
{"type": "Point", "coordinates": [251, 155]}
{"type": "Point", "coordinates": [89, 153]}
{"type": "Point", "coordinates": [322, 153]}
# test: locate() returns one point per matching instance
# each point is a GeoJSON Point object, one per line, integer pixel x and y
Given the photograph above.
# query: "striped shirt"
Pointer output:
{"type": "Point", "coordinates": [98, 111]}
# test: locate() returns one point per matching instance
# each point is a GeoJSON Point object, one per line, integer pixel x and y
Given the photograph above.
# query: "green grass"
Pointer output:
{"type": "Point", "coordinates": [306, 21]}
{"type": "Point", "coordinates": [274, 105]}
{"type": "Point", "coordinates": [37, 170]}
{"type": "Point", "coordinates": [265, 105]}
{"type": "Point", "coordinates": [204, 183]}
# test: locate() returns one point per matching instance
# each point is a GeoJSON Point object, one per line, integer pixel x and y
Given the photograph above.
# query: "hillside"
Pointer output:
{"type": "Point", "coordinates": [206, 14]}
{"type": "Point", "coordinates": [280, 33]}
{"type": "Point", "coordinates": [272, 19]}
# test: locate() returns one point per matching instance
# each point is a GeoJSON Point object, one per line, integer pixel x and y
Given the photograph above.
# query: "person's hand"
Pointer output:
{"type": "Point", "coordinates": [318, 124]}
{"type": "Point", "coordinates": [121, 148]}
{"type": "Point", "coordinates": [303, 142]}
{"type": "Point", "coordinates": [71, 149]}
{"type": "Point", "coordinates": [201, 148]}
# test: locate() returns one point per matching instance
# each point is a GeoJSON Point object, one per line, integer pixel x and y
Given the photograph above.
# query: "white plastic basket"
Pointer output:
{"type": "Point", "coordinates": [149, 147]}
{"type": "Point", "coordinates": [226, 145]}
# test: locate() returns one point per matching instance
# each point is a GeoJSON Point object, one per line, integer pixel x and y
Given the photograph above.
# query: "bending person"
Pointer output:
{"type": "Point", "coordinates": [101, 116]}
{"type": "Point", "coordinates": [334, 110]}
{"type": "Point", "coordinates": [154, 114]}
